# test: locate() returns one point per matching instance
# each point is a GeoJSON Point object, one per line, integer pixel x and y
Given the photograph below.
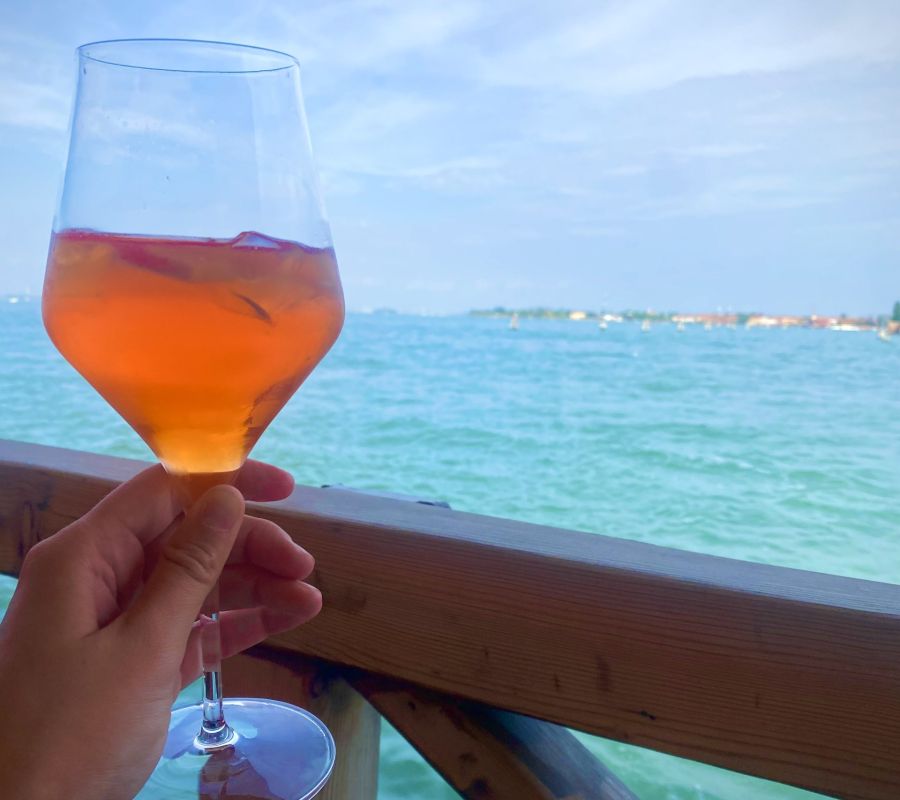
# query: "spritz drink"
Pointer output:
{"type": "Point", "coordinates": [197, 343]}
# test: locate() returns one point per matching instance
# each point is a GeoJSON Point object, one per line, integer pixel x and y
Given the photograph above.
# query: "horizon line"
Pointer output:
{"type": "Point", "coordinates": [500, 309]}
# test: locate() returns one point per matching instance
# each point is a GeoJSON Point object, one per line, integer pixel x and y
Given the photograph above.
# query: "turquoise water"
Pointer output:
{"type": "Point", "coordinates": [774, 446]}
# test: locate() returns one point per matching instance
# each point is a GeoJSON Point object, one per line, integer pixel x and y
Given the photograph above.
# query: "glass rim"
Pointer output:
{"type": "Point", "coordinates": [83, 52]}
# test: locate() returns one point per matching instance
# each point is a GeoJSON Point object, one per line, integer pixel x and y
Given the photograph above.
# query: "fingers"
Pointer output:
{"type": "Point", "coordinates": [188, 567]}
{"type": "Point", "coordinates": [260, 543]}
{"type": "Point", "coordinates": [144, 506]}
{"type": "Point", "coordinates": [264, 544]}
{"type": "Point", "coordinates": [250, 626]}
{"type": "Point", "coordinates": [263, 482]}
{"type": "Point", "coordinates": [149, 502]}
{"type": "Point", "coordinates": [247, 587]}
{"type": "Point", "coordinates": [245, 628]}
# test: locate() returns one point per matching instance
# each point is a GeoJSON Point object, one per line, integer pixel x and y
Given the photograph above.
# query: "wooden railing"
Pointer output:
{"type": "Point", "coordinates": [479, 637]}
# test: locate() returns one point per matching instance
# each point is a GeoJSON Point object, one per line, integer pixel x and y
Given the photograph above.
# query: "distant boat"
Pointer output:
{"type": "Point", "coordinates": [680, 327]}
{"type": "Point", "coordinates": [845, 326]}
{"type": "Point", "coordinates": [884, 335]}
{"type": "Point", "coordinates": [645, 325]}
{"type": "Point", "coordinates": [514, 322]}
{"type": "Point", "coordinates": [13, 300]}
{"type": "Point", "coordinates": [602, 325]}
{"type": "Point", "coordinates": [707, 326]}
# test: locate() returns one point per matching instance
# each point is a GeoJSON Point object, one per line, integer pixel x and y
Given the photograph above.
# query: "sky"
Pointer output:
{"type": "Point", "coordinates": [666, 154]}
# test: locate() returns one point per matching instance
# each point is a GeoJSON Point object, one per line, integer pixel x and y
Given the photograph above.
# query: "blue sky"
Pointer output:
{"type": "Point", "coordinates": [655, 153]}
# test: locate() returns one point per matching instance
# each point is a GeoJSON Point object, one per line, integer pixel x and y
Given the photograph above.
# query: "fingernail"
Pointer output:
{"type": "Point", "coordinates": [221, 508]}
{"type": "Point", "coordinates": [316, 592]}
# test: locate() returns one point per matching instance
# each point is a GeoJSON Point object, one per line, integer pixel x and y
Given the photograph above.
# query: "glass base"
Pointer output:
{"type": "Point", "coordinates": [278, 752]}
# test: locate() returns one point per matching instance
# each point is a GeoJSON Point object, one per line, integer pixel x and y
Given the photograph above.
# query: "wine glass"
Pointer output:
{"type": "Point", "coordinates": [191, 280]}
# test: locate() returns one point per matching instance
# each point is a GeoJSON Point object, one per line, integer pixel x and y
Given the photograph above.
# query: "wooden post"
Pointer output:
{"type": "Point", "coordinates": [317, 687]}
{"type": "Point", "coordinates": [484, 752]}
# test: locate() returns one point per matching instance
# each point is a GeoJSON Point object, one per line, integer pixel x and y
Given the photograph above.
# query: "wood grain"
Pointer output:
{"type": "Point", "coordinates": [488, 754]}
{"type": "Point", "coordinates": [786, 674]}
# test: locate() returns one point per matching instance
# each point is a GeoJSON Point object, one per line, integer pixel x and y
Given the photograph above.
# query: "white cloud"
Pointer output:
{"type": "Point", "coordinates": [594, 231]}
{"type": "Point", "coordinates": [653, 44]}
{"type": "Point", "coordinates": [718, 150]}
{"type": "Point", "coordinates": [35, 90]}
{"type": "Point", "coordinates": [361, 118]}
{"type": "Point", "coordinates": [372, 34]}
{"type": "Point", "coordinates": [31, 104]}
{"type": "Point", "coordinates": [451, 170]}
{"type": "Point", "coordinates": [760, 192]}
{"type": "Point", "coordinates": [628, 170]}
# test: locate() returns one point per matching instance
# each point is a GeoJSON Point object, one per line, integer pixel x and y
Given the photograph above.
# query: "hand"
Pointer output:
{"type": "Point", "coordinates": [100, 635]}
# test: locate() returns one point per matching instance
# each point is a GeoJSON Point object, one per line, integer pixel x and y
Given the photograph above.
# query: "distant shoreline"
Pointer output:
{"type": "Point", "coordinates": [882, 324]}
{"type": "Point", "coordinates": [716, 320]}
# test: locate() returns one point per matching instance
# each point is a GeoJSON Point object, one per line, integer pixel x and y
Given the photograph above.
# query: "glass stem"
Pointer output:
{"type": "Point", "coordinates": [214, 731]}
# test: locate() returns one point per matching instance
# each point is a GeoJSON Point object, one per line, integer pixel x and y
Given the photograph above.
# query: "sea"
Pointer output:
{"type": "Point", "coordinates": [777, 446]}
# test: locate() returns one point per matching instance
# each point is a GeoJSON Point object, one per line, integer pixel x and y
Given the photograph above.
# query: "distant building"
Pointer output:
{"type": "Point", "coordinates": [815, 321]}
{"type": "Point", "coordinates": [705, 319]}
{"type": "Point", "coordinates": [761, 321]}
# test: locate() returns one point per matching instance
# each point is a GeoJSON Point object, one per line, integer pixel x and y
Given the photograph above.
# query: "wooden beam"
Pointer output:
{"type": "Point", "coordinates": [319, 688]}
{"type": "Point", "coordinates": [483, 752]}
{"type": "Point", "coordinates": [480, 751]}
{"type": "Point", "coordinates": [781, 673]}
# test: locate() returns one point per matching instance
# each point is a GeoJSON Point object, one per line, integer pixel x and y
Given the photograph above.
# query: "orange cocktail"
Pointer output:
{"type": "Point", "coordinates": [197, 343]}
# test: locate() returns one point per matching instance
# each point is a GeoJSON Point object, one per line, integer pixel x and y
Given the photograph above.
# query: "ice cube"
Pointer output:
{"type": "Point", "coordinates": [255, 240]}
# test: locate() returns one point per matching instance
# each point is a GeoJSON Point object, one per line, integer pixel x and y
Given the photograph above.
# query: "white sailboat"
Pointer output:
{"type": "Point", "coordinates": [514, 322]}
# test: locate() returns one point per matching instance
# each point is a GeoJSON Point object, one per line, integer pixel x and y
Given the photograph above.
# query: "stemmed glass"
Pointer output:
{"type": "Point", "coordinates": [191, 280]}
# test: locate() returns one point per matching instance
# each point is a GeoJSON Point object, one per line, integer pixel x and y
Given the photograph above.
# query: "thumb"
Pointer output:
{"type": "Point", "coordinates": [189, 566]}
